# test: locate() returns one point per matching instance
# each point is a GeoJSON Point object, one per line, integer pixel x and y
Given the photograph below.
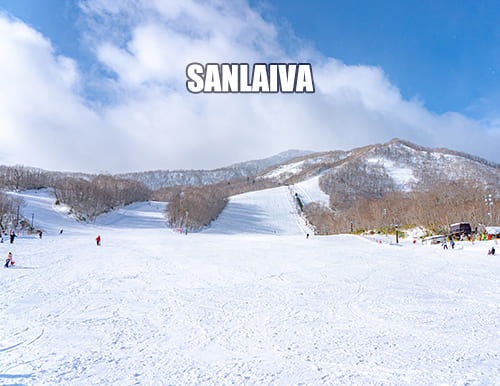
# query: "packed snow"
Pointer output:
{"type": "Point", "coordinates": [270, 211]}
{"type": "Point", "coordinates": [239, 303]}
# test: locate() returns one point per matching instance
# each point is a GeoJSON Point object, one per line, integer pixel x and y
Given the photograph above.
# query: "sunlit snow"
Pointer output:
{"type": "Point", "coordinates": [248, 301]}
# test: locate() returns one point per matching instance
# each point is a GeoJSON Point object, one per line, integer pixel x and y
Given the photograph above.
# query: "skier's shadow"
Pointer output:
{"type": "Point", "coordinates": [14, 376]}
{"type": "Point", "coordinates": [18, 267]}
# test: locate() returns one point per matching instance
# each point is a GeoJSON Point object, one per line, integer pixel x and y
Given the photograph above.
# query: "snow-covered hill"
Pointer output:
{"type": "Point", "coordinates": [405, 164]}
{"type": "Point", "coordinates": [270, 211]}
{"type": "Point", "coordinates": [39, 206]}
{"type": "Point", "coordinates": [151, 306]}
{"type": "Point", "coordinates": [166, 178]}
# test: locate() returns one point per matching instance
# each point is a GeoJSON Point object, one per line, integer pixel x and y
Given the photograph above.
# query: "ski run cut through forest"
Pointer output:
{"type": "Point", "coordinates": [248, 300]}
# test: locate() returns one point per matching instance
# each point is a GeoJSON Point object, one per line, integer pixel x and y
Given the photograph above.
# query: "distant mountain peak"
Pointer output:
{"type": "Point", "coordinates": [404, 162]}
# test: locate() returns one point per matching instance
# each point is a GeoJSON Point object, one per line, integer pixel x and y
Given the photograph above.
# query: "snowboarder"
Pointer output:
{"type": "Point", "coordinates": [9, 260]}
{"type": "Point", "coordinates": [98, 240]}
{"type": "Point", "coordinates": [491, 251]}
{"type": "Point", "coordinates": [12, 237]}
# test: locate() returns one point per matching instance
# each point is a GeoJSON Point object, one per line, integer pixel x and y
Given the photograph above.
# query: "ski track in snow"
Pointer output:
{"type": "Point", "coordinates": [239, 303]}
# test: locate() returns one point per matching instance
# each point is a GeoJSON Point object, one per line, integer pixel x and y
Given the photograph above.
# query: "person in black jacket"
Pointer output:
{"type": "Point", "coordinates": [8, 260]}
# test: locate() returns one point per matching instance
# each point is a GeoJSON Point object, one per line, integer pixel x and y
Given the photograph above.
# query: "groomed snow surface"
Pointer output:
{"type": "Point", "coordinates": [151, 306]}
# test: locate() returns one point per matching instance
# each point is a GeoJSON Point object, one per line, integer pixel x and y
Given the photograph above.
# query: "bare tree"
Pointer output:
{"type": "Point", "coordinates": [10, 211]}
{"type": "Point", "coordinates": [88, 199]}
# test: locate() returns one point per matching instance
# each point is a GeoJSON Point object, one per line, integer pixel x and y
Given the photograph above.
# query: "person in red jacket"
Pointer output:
{"type": "Point", "coordinates": [98, 239]}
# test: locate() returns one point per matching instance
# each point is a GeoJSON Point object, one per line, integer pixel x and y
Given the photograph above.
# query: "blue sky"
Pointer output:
{"type": "Point", "coordinates": [444, 52]}
{"type": "Point", "coordinates": [57, 19]}
{"type": "Point", "coordinates": [410, 67]}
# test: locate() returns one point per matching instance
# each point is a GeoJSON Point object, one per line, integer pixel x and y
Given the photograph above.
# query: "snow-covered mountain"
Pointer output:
{"type": "Point", "coordinates": [402, 162]}
{"type": "Point", "coordinates": [166, 178]}
{"type": "Point", "coordinates": [405, 163]}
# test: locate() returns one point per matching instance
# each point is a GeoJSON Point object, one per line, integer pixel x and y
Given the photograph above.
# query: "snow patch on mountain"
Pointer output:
{"type": "Point", "coordinates": [309, 191]}
{"type": "Point", "coordinates": [286, 170]}
{"type": "Point", "coordinates": [402, 176]}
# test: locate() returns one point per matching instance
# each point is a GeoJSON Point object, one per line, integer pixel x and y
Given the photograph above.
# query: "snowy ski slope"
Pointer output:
{"type": "Point", "coordinates": [309, 191]}
{"type": "Point", "coordinates": [270, 211]}
{"type": "Point", "coordinates": [151, 306]}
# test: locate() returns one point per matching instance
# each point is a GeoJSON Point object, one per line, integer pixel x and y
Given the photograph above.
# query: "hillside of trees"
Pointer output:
{"type": "Point", "coordinates": [89, 199]}
{"type": "Point", "coordinates": [89, 196]}
{"type": "Point", "coordinates": [10, 217]}
{"type": "Point", "coordinates": [446, 187]}
{"type": "Point", "coordinates": [355, 181]}
{"type": "Point", "coordinates": [435, 208]}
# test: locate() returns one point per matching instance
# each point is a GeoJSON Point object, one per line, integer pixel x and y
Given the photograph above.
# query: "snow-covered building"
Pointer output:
{"type": "Point", "coordinates": [493, 231]}
{"type": "Point", "coordinates": [439, 239]}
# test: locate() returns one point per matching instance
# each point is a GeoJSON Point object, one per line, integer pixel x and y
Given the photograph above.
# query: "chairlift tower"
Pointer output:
{"type": "Point", "coordinates": [397, 225]}
{"type": "Point", "coordinates": [488, 201]}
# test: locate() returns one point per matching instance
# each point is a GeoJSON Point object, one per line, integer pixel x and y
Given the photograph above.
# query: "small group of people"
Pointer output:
{"type": "Point", "coordinates": [12, 236]}
{"type": "Point", "coordinates": [452, 244]}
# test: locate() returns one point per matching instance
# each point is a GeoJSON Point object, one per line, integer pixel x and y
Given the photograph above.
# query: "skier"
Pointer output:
{"type": "Point", "coordinates": [61, 232]}
{"type": "Point", "coordinates": [98, 240]}
{"type": "Point", "coordinates": [12, 237]}
{"type": "Point", "coordinates": [445, 246]}
{"type": "Point", "coordinates": [9, 260]}
{"type": "Point", "coordinates": [40, 234]}
{"type": "Point", "coordinates": [491, 251]}
{"type": "Point", "coordinates": [452, 243]}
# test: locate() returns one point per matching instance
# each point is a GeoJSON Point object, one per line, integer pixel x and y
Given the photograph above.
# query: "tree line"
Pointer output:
{"type": "Point", "coordinates": [435, 207]}
{"type": "Point", "coordinates": [87, 197]}
{"type": "Point", "coordinates": [10, 212]}
{"type": "Point", "coordinates": [24, 178]}
{"type": "Point", "coordinates": [90, 198]}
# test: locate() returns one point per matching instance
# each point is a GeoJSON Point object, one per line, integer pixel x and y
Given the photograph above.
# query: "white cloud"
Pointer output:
{"type": "Point", "coordinates": [153, 121]}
